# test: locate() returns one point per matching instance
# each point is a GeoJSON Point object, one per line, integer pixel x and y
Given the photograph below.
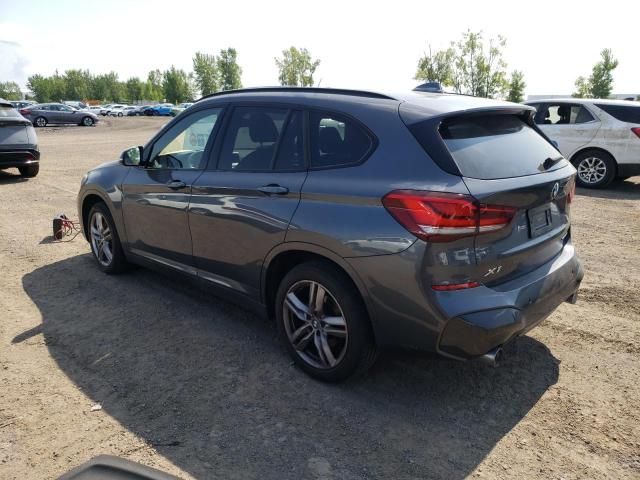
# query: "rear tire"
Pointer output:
{"type": "Point", "coordinates": [336, 320]}
{"type": "Point", "coordinates": [104, 240]}
{"type": "Point", "coordinates": [40, 122]}
{"type": "Point", "coordinates": [87, 122]}
{"type": "Point", "coordinates": [596, 169]}
{"type": "Point", "coordinates": [29, 171]}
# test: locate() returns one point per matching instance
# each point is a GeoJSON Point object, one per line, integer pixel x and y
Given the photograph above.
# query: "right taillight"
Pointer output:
{"type": "Point", "coordinates": [441, 217]}
{"type": "Point", "coordinates": [636, 130]}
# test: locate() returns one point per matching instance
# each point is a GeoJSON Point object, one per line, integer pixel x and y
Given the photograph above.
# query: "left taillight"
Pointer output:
{"type": "Point", "coordinates": [24, 111]}
{"type": "Point", "coordinates": [636, 130]}
{"type": "Point", "coordinates": [442, 217]}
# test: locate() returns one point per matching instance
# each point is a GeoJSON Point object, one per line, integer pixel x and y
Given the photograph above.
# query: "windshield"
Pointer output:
{"type": "Point", "coordinates": [498, 146]}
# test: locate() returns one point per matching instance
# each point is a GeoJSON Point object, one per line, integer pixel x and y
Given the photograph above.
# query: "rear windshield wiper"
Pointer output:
{"type": "Point", "coordinates": [550, 162]}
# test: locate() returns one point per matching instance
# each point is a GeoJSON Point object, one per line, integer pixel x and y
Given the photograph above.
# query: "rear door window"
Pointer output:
{"type": "Point", "coordinates": [497, 146]}
{"type": "Point", "coordinates": [337, 141]}
{"type": "Point", "coordinates": [624, 113]}
{"type": "Point", "coordinates": [563, 114]}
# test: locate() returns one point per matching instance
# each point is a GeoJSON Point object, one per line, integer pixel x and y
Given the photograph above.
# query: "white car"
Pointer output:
{"type": "Point", "coordinates": [117, 110]}
{"type": "Point", "coordinates": [106, 108]}
{"type": "Point", "coordinates": [600, 137]}
{"type": "Point", "coordinates": [97, 109]}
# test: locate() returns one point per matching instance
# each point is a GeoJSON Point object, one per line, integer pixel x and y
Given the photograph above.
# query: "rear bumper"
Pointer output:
{"type": "Point", "coordinates": [18, 158]}
{"type": "Point", "coordinates": [515, 307]}
{"type": "Point", "coordinates": [465, 323]}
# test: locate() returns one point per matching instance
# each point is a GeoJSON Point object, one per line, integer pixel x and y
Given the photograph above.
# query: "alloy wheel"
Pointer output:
{"type": "Point", "coordinates": [101, 239]}
{"type": "Point", "coordinates": [592, 170]}
{"type": "Point", "coordinates": [315, 324]}
{"type": "Point", "coordinates": [41, 122]}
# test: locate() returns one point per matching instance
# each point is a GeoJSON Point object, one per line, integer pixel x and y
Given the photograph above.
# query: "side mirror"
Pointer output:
{"type": "Point", "coordinates": [131, 157]}
{"type": "Point", "coordinates": [555, 144]}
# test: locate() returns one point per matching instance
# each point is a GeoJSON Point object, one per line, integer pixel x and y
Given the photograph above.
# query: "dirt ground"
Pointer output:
{"type": "Point", "coordinates": [202, 389]}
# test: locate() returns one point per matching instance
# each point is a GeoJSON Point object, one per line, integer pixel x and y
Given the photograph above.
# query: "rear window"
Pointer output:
{"type": "Point", "coordinates": [497, 146]}
{"type": "Point", "coordinates": [8, 112]}
{"type": "Point", "coordinates": [624, 113]}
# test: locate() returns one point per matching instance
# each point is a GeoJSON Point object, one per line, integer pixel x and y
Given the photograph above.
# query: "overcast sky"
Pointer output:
{"type": "Point", "coordinates": [368, 45]}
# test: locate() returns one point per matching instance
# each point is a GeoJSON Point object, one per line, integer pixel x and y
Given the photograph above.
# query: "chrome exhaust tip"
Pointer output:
{"type": "Point", "coordinates": [492, 358]}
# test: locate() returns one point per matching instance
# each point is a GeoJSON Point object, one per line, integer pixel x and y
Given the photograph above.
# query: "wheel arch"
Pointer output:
{"type": "Point", "coordinates": [88, 201]}
{"type": "Point", "coordinates": [286, 256]}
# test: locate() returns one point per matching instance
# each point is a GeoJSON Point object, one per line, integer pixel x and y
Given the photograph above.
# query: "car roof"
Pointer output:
{"type": "Point", "coordinates": [5, 103]}
{"type": "Point", "coordinates": [582, 101]}
{"type": "Point", "coordinates": [430, 104]}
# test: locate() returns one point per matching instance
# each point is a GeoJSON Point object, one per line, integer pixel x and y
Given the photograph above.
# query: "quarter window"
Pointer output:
{"type": "Point", "coordinates": [337, 141]}
{"type": "Point", "coordinates": [183, 145]}
{"type": "Point", "coordinates": [563, 114]}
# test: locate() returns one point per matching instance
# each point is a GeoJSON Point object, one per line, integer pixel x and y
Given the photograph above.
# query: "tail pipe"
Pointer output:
{"type": "Point", "coordinates": [493, 357]}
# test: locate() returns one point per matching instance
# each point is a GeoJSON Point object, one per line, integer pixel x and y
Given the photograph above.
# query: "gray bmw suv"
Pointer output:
{"type": "Point", "coordinates": [357, 220]}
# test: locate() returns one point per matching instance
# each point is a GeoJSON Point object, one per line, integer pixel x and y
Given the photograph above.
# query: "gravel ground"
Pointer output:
{"type": "Point", "coordinates": [200, 388]}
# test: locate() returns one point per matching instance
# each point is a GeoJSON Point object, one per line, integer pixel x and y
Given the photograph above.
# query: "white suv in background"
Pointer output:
{"type": "Point", "coordinates": [600, 137]}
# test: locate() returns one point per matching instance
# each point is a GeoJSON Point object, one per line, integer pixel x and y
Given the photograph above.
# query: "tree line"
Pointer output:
{"type": "Point", "coordinates": [474, 66]}
{"type": "Point", "coordinates": [471, 66]}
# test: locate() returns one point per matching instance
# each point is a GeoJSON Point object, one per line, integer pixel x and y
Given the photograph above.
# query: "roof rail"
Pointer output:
{"type": "Point", "coordinates": [333, 91]}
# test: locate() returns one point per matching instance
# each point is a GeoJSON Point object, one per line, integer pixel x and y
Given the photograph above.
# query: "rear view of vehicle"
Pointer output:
{"type": "Point", "coordinates": [498, 259]}
{"type": "Point", "coordinates": [18, 142]}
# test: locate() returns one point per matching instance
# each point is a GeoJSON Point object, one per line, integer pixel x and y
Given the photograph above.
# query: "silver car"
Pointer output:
{"type": "Point", "coordinates": [44, 114]}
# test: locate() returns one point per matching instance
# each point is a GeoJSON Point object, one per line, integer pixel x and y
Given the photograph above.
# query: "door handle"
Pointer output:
{"type": "Point", "coordinates": [273, 189]}
{"type": "Point", "coordinates": [176, 184]}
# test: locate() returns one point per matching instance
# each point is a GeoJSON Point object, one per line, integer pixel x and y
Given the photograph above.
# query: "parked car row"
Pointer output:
{"type": "Point", "coordinates": [123, 110]}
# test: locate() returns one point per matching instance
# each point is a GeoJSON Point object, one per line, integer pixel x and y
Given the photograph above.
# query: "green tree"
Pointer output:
{"type": "Point", "coordinates": [175, 84]}
{"type": "Point", "coordinates": [77, 84]}
{"type": "Point", "coordinates": [436, 67]}
{"type": "Point", "coordinates": [296, 67]}
{"type": "Point", "coordinates": [600, 82]}
{"type": "Point", "coordinates": [601, 78]}
{"type": "Point", "coordinates": [40, 86]}
{"type": "Point", "coordinates": [469, 65]}
{"type": "Point", "coordinates": [516, 87]}
{"type": "Point", "coordinates": [153, 90]}
{"type": "Point", "coordinates": [10, 91]}
{"type": "Point", "coordinates": [206, 75]}
{"type": "Point", "coordinates": [135, 89]}
{"type": "Point", "coordinates": [583, 88]}
{"type": "Point", "coordinates": [229, 71]}
{"type": "Point", "coordinates": [107, 87]}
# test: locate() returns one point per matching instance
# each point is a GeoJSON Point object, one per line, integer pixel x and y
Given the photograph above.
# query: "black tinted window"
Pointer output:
{"type": "Point", "coordinates": [290, 155]}
{"type": "Point", "coordinates": [251, 138]}
{"type": "Point", "coordinates": [497, 146]}
{"type": "Point", "coordinates": [624, 113]}
{"type": "Point", "coordinates": [337, 140]}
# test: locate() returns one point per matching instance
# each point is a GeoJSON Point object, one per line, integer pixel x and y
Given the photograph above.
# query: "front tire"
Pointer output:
{"type": "Point", "coordinates": [40, 122]}
{"type": "Point", "coordinates": [29, 171]}
{"type": "Point", "coordinates": [104, 240]}
{"type": "Point", "coordinates": [596, 169]}
{"type": "Point", "coordinates": [323, 322]}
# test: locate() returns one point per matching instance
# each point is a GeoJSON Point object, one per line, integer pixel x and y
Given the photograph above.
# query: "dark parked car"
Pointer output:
{"type": "Point", "coordinates": [18, 142]}
{"type": "Point", "coordinates": [357, 220]}
{"type": "Point", "coordinates": [137, 111]}
{"type": "Point", "coordinates": [43, 114]}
